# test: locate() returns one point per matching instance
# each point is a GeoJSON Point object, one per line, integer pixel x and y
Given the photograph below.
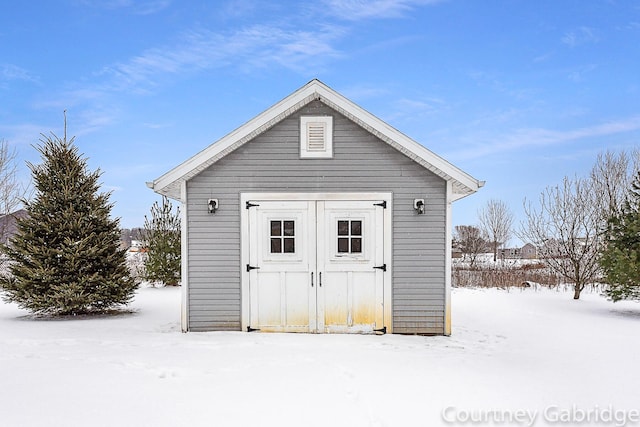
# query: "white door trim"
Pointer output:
{"type": "Point", "coordinates": [244, 240]}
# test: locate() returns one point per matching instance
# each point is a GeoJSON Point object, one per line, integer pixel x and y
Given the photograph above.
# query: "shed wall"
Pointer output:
{"type": "Point", "coordinates": [361, 163]}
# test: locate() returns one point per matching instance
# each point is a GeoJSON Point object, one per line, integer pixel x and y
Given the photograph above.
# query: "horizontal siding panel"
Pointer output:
{"type": "Point", "coordinates": [222, 311]}
{"type": "Point", "coordinates": [434, 301]}
{"type": "Point", "coordinates": [419, 330]}
{"type": "Point", "coordinates": [424, 303]}
{"type": "Point", "coordinates": [407, 292]}
{"type": "Point", "coordinates": [419, 314]}
{"type": "Point", "coordinates": [213, 310]}
{"type": "Point", "coordinates": [223, 271]}
{"type": "Point", "coordinates": [213, 327]}
{"type": "Point", "coordinates": [209, 290]}
{"type": "Point", "coordinates": [215, 285]}
{"type": "Point", "coordinates": [435, 325]}
{"type": "Point", "coordinates": [215, 304]}
{"type": "Point", "coordinates": [418, 288]}
{"type": "Point", "coordinates": [220, 294]}
{"type": "Point", "coordinates": [213, 315]}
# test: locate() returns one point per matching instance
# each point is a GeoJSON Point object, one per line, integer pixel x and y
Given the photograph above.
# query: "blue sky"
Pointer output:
{"type": "Point", "coordinates": [517, 93]}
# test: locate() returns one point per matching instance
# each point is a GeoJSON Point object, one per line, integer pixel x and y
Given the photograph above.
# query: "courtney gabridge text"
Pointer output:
{"type": "Point", "coordinates": [551, 415]}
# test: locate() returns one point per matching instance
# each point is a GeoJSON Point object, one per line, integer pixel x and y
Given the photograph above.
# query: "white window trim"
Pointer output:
{"type": "Point", "coordinates": [327, 122]}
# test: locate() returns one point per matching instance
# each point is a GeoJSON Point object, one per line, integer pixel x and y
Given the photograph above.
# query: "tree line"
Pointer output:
{"type": "Point", "coordinates": [586, 229]}
{"type": "Point", "coordinates": [66, 258]}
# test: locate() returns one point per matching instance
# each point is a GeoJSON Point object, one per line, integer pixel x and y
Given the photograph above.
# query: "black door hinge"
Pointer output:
{"type": "Point", "coordinates": [382, 267]}
{"type": "Point", "coordinates": [251, 205]}
{"type": "Point", "coordinates": [382, 330]}
{"type": "Point", "coordinates": [250, 329]}
{"type": "Point", "coordinates": [383, 204]}
{"type": "Point", "coordinates": [250, 267]}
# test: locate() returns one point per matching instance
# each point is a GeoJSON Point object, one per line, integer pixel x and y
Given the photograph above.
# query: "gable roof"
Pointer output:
{"type": "Point", "coordinates": [169, 184]}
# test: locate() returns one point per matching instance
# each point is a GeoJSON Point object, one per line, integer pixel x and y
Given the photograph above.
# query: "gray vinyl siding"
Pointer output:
{"type": "Point", "coordinates": [361, 163]}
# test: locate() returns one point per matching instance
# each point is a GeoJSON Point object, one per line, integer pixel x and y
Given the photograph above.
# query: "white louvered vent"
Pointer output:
{"type": "Point", "coordinates": [316, 137]}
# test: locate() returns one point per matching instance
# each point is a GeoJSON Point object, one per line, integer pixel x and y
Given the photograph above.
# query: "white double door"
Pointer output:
{"type": "Point", "coordinates": [316, 266]}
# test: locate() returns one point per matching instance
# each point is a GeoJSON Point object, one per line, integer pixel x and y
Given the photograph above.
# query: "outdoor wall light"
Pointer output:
{"type": "Point", "coordinates": [212, 205]}
{"type": "Point", "coordinates": [418, 205]}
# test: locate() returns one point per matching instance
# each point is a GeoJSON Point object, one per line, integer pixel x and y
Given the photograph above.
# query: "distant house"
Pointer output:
{"type": "Point", "coordinates": [9, 226]}
{"type": "Point", "coordinates": [316, 216]}
{"type": "Point", "coordinates": [528, 251]}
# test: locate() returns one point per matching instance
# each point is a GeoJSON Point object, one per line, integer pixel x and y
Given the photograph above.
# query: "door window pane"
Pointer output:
{"type": "Point", "coordinates": [343, 245]}
{"type": "Point", "coordinates": [276, 246]}
{"type": "Point", "coordinates": [289, 228]}
{"type": "Point", "coordinates": [276, 228]}
{"type": "Point", "coordinates": [350, 236]}
{"type": "Point", "coordinates": [356, 245]}
{"type": "Point", "coordinates": [356, 228]}
{"type": "Point", "coordinates": [289, 245]}
{"type": "Point", "coordinates": [343, 228]}
{"type": "Point", "coordinates": [278, 242]}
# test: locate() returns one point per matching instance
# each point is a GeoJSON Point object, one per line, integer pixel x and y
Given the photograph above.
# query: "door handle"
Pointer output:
{"type": "Point", "coordinates": [320, 279]}
{"type": "Point", "coordinates": [312, 279]}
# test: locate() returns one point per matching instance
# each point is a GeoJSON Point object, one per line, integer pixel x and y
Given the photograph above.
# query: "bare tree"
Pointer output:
{"type": "Point", "coordinates": [612, 175]}
{"type": "Point", "coordinates": [567, 228]}
{"type": "Point", "coordinates": [471, 241]}
{"type": "Point", "coordinates": [11, 189]}
{"type": "Point", "coordinates": [496, 221]}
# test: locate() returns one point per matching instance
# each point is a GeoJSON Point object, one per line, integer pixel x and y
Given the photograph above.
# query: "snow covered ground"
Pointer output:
{"type": "Point", "coordinates": [513, 355]}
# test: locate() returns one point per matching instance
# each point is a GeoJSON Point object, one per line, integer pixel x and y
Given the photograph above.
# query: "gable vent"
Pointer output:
{"type": "Point", "coordinates": [316, 137]}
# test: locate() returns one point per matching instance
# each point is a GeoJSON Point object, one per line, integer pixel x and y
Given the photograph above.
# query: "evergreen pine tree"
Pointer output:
{"type": "Point", "coordinates": [161, 237]}
{"type": "Point", "coordinates": [621, 257]}
{"type": "Point", "coordinates": [66, 257]}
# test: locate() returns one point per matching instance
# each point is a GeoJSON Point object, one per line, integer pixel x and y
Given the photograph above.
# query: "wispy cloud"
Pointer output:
{"type": "Point", "coordinates": [136, 7]}
{"type": "Point", "coordinates": [247, 50]}
{"type": "Point", "coordinates": [544, 57]}
{"type": "Point", "coordinates": [361, 91]}
{"type": "Point", "coordinates": [373, 9]}
{"type": "Point", "coordinates": [578, 75]}
{"type": "Point", "coordinates": [150, 125]}
{"type": "Point", "coordinates": [24, 134]}
{"type": "Point", "coordinates": [11, 72]}
{"type": "Point", "coordinates": [72, 96]}
{"type": "Point", "coordinates": [525, 138]}
{"type": "Point", "coordinates": [278, 45]}
{"type": "Point", "coordinates": [417, 108]}
{"type": "Point", "coordinates": [250, 48]}
{"type": "Point", "coordinates": [500, 83]}
{"type": "Point", "coordinates": [630, 26]}
{"type": "Point", "coordinates": [92, 119]}
{"type": "Point", "coordinates": [580, 36]}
